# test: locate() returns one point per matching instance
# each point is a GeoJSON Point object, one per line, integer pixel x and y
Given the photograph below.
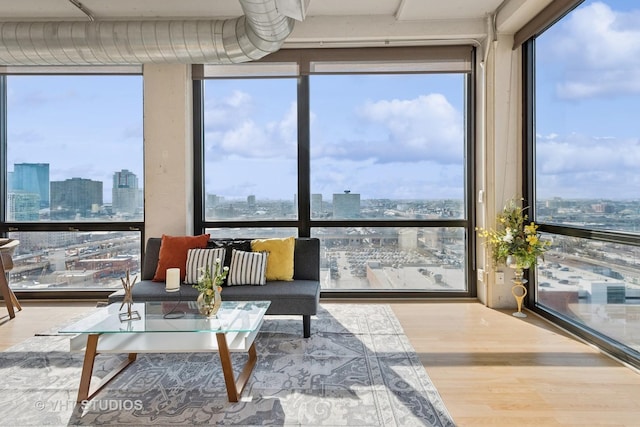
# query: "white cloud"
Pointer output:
{"type": "Point", "coordinates": [424, 128]}
{"type": "Point", "coordinates": [224, 112]}
{"type": "Point", "coordinates": [417, 180]}
{"type": "Point", "coordinates": [232, 130]}
{"type": "Point", "coordinates": [600, 49]}
{"type": "Point", "coordinates": [589, 167]}
{"type": "Point", "coordinates": [417, 144]}
{"type": "Point", "coordinates": [239, 99]}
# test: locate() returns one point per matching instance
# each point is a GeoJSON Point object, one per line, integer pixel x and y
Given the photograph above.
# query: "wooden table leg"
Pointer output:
{"type": "Point", "coordinates": [235, 388]}
{"type": "Point", "coordinates": [87, 367]}
{"type": "Point", "coordinates": [85, 392]}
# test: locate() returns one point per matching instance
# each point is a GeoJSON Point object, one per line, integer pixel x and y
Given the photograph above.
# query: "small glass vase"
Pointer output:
{"type": "Point", "coordinates": [208, 305]}
{"type": "Point", "coordinates": [513, 262]}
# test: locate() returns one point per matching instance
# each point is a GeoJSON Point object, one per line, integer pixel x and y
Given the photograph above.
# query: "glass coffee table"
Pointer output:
{"type": "Point", "coordinates": [169, 327]}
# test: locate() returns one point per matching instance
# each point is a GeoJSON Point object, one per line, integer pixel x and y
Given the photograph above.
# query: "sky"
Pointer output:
{"type": "Point", "coordinates": [395, 137]}
{"type": "Point", "coordinates": [82, 127]}
{"type": "Point", "coordinates": [588, 102]}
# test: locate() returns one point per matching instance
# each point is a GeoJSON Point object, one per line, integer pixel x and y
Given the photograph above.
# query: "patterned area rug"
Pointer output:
{"type": "Point", "coordinates": [357, 369]}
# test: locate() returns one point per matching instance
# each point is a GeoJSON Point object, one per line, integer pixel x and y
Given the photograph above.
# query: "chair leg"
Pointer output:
{"type": "Point", "coordinates": [15, 301]}
{"type": "Point", "coordinates": [306, 325]}
{"type": "Point", "coordinates": [6, 292]}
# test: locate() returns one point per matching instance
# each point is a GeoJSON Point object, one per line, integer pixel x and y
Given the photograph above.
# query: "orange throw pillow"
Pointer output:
{"type": "Point", "coordinates": [173, 254]}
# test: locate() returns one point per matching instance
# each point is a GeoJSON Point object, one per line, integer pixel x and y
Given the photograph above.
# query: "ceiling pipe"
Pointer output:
{"type": "Point", "coordinates": [262, 29]}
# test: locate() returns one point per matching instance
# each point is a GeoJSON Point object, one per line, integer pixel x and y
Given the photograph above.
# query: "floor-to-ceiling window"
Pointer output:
{"type": "Point", "coordinates": [72, 174]}
{"type": "Point", "coordinates": [388, 156]}
{"type": "Point", "coordinates": [585, 94]}
{"type": "Point", "coordinates": [250, 151]}
{"type": "Point", "coordinates": [367, 152]}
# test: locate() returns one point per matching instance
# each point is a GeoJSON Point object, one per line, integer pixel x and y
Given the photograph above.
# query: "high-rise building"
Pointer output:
{"type": "Point", "coordinates": [213, 200]}
{"type": "Point", "coordinates": [23, 206]}
{"type": "Point", "coordinates": [346, 205]}
{"type": "Point", "coordinates": [31, 178]}
{"type": "Point", "coordinates": [408, 239]}
{"type": "Point", "coordinates": [75, 196]}
{"type": "Point", "coordinates": [126, 196]}
{"type": "Point", "coordinates": [316, 204]}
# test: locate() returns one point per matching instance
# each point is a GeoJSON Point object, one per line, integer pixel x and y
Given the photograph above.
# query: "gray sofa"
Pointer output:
{"type": "Point", "coordinates": [299, 297]}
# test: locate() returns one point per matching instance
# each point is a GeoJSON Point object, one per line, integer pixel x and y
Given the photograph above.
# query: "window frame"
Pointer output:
{"type": "Point", "coordinates": [615, 348]}
{"type": "Point", "coordinates": [305, 60]}
{"type": "Point", "coordinates": [7, 226]}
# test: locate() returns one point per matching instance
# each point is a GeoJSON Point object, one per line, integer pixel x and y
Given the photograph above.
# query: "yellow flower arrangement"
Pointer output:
{"type": "Point", "coordinates": [514, 241]}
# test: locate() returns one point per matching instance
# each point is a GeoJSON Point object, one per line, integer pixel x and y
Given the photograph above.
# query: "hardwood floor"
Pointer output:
{"type": "Point", "coordinates": [37, 317]}
{"type": "Point", "coordinates": [493, 369]}
{"type": "Point", "coordinates": [490, 368]}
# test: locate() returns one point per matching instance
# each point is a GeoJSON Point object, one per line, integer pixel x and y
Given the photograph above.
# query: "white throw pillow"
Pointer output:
{"type": "Point", "coordinates": [197, 258]}
{"type": "Point", "coordinates": [247, 268]}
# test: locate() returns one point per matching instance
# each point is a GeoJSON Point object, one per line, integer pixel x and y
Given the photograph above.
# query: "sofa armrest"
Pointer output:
{"type": "Point", "coordinates": [306, 259]}
{"type": "Point", "coordinates": [151, 257]}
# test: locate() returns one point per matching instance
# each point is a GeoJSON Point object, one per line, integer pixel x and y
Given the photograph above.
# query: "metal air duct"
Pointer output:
{"type": "Point", "coordinates": [262, 30]}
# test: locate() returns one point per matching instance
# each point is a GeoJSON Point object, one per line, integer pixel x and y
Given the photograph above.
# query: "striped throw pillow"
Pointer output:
{"type": "Point", "coordinates": [247, 268]}
{"type": "Point", "coordinates": [197, 258]}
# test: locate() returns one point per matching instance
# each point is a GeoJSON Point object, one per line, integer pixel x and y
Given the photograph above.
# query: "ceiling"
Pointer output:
{"type": "Point", "coordinates": [135, 9]}
{"type": "Point", "coordinates": [327, 23]}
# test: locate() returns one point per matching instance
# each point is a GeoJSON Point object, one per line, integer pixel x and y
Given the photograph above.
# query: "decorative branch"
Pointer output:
{"type": "Point", "coordinates": [127, 284]}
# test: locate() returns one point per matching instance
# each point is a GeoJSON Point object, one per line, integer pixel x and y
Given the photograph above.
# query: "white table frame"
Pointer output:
{"type": "Point", "coordinates": [134, 343]}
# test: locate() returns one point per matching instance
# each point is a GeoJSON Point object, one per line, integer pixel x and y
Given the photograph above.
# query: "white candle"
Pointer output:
{"type": "Point", "coordinates": [173, 280]}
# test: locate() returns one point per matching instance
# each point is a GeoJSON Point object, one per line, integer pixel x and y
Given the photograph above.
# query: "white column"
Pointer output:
{"type": "Point", "coordinates": [168, 149]}
{"type": "Point", "coordinates": [502, 158]}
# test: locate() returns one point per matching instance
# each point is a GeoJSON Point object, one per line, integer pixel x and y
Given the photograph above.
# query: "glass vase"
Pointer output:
{"type": "Point", "coordinates": [209, 304]}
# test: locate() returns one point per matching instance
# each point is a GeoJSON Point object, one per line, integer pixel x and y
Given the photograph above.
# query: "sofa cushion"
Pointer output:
{"type": "Point", "coordinates": [173, 253]}
{"type": "Point", "coordinates": [247, 268]}
{"type": "Point", "coordinates": [280, 263]}
{"type": "Point", "coordinates": [199, 259]}
{"type": "Point", "coordinates": [297, 297]}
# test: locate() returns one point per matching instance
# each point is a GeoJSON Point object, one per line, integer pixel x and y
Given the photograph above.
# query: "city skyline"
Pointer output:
{"type": "Point", "coordinates": [129, 179]}
{"type": "Point", "coordinates": [32, 176]}
{"type": "Point", "coordinates": [31, 192]}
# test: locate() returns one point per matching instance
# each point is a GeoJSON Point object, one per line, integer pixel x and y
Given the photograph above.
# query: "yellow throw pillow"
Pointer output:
{"type": "Point", "coordinates": [280, 261]}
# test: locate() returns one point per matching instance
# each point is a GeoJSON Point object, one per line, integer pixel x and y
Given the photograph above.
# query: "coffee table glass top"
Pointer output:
{"type": "Point", "coordinates": [173, 316]}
